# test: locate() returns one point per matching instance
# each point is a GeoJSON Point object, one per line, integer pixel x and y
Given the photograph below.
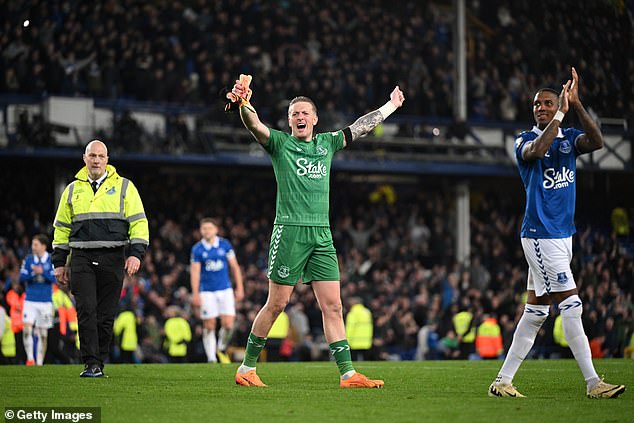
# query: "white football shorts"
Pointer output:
{"type": "Point", "coordinates": [217, 303]}
{"type": "Point", "coordinates": [39, 314]}
{"type": "Point", "coordinates": [549, 265]}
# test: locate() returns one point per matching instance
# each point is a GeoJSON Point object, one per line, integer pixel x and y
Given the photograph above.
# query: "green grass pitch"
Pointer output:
{"type": "Point", "coordinates": [428, 391]}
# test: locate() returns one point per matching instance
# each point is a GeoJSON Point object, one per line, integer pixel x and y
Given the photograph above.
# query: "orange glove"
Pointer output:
{"type": "Point", "coordinates": [240, 94]}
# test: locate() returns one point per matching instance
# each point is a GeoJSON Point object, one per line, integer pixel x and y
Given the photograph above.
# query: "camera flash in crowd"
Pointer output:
{"type": "Point", "coordinates": [26, 23]}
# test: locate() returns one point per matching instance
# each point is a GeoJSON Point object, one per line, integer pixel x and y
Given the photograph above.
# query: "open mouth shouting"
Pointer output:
{"type": "Point", "coordinates": [302, 129]}
{"type": "Point", "coordinates": [302, 118]}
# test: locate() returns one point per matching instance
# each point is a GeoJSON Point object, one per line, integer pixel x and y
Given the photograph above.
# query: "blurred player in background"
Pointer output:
{"type": "Point", "coordinates": [546, 157]}
{"type": "Point", "coordinates": [301, 244]}
{"type": "Point", "coordinates": [37, 274]}
{"type": "Point", "coordinates": [211, 259]}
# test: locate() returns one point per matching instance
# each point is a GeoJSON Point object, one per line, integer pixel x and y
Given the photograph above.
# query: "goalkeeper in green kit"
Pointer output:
{"type": "Point", "coordinates": [301, 244]}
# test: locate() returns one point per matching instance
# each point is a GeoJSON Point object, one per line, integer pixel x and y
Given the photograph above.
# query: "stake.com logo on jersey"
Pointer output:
{"type": "Point", "coordinates": [558, 179]}
{"type": "Point", "coordinates": [313, 170]}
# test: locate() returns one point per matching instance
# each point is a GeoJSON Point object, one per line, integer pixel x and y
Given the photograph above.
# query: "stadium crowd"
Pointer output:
{"type": "Point", "coordinates": [395, 244]}
{"type": "Point", "coordinates": [185, 52]}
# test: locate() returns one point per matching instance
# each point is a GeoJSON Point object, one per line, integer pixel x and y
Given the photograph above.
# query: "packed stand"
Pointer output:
{"type": "Point", "coordinates": [396, 249]}
{"type": "Point", "coordinates": [336, 53]}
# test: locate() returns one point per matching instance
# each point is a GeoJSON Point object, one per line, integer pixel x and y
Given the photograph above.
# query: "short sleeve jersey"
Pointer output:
{"type": "Point", "coordinates": [550, 185]}
{"type": "Point", "coordinates": [214, 265]}
{"type": "Point", "coordinates": [39, 288]}
{"type": "Point", "coordinates": [302, 170]}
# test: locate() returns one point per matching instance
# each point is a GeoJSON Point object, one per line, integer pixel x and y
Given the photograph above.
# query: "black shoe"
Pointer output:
{"type": "Point", "coordinates": [92, 371]}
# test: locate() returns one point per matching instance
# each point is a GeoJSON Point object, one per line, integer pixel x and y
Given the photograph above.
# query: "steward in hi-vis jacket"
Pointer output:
{"type": "Point", "coordinates": [100, 213]}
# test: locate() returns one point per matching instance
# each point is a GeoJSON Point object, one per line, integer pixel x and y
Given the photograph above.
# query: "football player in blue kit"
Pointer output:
{"type": "Point", "coordinates": [546, 158]}
{"type": "Point", "coordinates": [211, 259]}
{"type": "Point", "coordinates": [37, 274]}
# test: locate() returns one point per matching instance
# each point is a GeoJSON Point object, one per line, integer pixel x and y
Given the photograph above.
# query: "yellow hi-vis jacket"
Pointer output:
{"type": "Point", "coordinates": [359, 328]}
{"type": "Point", "coordinates": [111, 217]}
{"type": "Point", "coordinates": [65, 311]}
{"type": "Point", "coordinates": [125, 327]}
{"type": "Point", "coordinates": [280, 327]}
{"type": "Point", "coordinates": [7, 340]}
{"type": "Point", "coordinates": [177, 335]}
{"type": "Point", "coordinates": [462, 326]}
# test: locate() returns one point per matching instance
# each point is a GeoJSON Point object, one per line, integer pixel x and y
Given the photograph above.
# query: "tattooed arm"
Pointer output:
{"type": "Point", "coordinates": [368, 122]}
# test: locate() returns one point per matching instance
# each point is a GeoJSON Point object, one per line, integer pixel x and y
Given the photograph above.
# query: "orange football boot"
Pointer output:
{"type": "Point", "coordinates": [248, 379]}
{"type": "Point", "coordinates": [360, 381]}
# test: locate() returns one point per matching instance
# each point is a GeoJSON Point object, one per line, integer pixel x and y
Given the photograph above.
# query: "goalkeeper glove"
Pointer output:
{"type": "Point", "coordinates": [236, 101]}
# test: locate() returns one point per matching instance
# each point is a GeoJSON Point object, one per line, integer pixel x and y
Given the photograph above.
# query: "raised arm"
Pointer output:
{"type": "Point", "coordinates": [592, 139]}
{"type": "Point", "coordinates": [537, 149]}
{"type": "Point", "coordinates": [248, 114]}
{"type": "Point", "coordinates": [369, 121]}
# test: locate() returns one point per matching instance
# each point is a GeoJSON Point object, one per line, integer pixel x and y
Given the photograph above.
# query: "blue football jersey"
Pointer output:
{"type": "Point", "coordinates": [214, 267]}
{"type": "Point", "coordinates": [38, 287]}
{"type": "Point", "coordinates": [550, 185]}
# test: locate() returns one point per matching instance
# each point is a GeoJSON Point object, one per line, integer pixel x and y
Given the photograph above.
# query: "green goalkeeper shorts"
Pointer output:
{"type": "Point", "coordinates": [305, 252]}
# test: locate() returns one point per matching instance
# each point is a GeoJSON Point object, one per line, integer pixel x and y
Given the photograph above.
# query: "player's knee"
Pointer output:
{"type": "Point", "coordinates": [42, 333]}
{"type": "Point", "coordinates": [209, 324]}
{"type": "Point", "coordinates": [27, 330]}
{"type": "Point", "coordinates": [536, 314]}
{"type": "Point", "coordinates": [275, 308]}
{"type": "Point", "coordinates": [571, 307]}
{"type": "Point", "coordinates": [333, 309]}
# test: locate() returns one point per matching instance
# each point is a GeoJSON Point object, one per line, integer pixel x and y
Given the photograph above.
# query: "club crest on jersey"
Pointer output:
{"type": "Point", "coordinates": [555, 179]}
{"type": "Point", "coordinates": [321, 150]}
{"type": "Point", "coordinates": [283, 271]}
{"type": "Point", "coordinates": [565, 147]}
{"type": "Point", "coordinates": [312, 170]}
{"type": "Point", "coordinates": [562, 278]}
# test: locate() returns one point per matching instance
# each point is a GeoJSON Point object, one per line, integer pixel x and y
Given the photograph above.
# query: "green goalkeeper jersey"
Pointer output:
{"type": "Point", "coordinates": [302, 170]}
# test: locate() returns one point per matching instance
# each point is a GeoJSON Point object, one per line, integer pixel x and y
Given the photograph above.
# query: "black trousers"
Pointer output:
{"type": "Point", "coordinates": [96, 279]}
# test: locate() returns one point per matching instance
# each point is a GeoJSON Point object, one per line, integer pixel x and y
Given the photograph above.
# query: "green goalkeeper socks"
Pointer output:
{"type": "Point", "coordinates": [255, 344]}
{"type": "Point", "coordinates": [341, 351]}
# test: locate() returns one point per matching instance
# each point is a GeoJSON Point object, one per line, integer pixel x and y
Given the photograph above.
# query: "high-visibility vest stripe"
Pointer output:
{"type": "Point", "coordinates": [98, 215]}
{"type": "Point", "coordinates": [64, 224]}
{"type": "Point", "coordinates": [139, 241]}
{"type": "Point", "coordinates": [97, 244]}
{"type": "Point", "coordinates": [135, 217]}
{"type": "Point", "coordinates": [71, 188]}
